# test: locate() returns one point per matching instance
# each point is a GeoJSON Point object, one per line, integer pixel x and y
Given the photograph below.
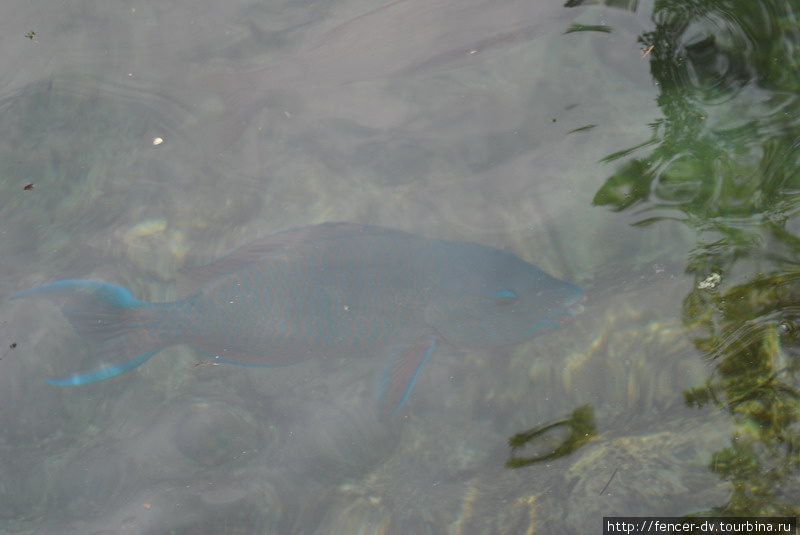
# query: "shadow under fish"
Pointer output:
{"type": "Point", "coordinates": [329, 290]}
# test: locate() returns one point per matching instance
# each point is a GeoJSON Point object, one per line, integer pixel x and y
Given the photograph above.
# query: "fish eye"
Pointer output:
{"type": "Point", "coordinates": [506, 295]}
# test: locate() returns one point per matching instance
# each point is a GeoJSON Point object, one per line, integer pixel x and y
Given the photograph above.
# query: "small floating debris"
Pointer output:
{"type": "Point", "coordinates": [32, 36]}
{"type": "Point", "coordinates": [582, 128]}
{"type": "Point", "coordinates": [158, 141]}
{"type": "Point", "coordinates": [28, 187]}
{"type": "Point", "coordinates": [609, 480]}
{"type": "Point", "coordinates": [710, 282]}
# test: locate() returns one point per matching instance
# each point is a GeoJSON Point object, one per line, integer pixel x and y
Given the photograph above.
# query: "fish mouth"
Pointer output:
{"type": "Point", "coordinates": [577, 306]}
{"type": "Point", "coordinates": [571, 309]}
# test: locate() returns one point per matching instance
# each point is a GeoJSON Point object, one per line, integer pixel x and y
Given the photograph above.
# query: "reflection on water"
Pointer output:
{"type": "Point", "coordinates": [724, 161]}
{"type": "Point", "coordinates": [747, 332]}
{"type": "Point", "coordinates": [686, 355]}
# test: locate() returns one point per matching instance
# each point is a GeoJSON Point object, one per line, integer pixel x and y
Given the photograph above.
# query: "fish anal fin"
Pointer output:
{"type": "Point", "coordinates": [405, 365]}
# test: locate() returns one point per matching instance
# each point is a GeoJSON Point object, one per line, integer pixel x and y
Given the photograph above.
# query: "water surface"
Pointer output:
{"type": "Point", "coordinates": [645, 151]}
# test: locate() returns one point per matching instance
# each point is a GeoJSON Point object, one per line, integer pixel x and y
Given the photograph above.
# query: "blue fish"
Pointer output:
{"type": "Point", "coordinates": [335, 289]}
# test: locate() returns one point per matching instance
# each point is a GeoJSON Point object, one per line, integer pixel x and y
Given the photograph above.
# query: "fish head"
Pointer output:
{"type": "Point", "coordinates": [498, 299]}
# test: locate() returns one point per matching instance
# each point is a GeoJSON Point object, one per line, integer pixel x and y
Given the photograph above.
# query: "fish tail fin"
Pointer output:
{"type": "Point", "coordinates": [120, 331]}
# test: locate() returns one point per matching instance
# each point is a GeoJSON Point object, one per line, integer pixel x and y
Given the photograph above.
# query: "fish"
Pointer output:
{"type": "Point", "coordinates": [409, 36]}
{"type": "Point", "coordinates": [321, 291]}
{"type": "Point", "coordinates": [398, 39]}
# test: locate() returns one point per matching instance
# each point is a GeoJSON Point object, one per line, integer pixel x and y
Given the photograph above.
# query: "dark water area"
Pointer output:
{"type": "Point", "coordinates": [646, 151]}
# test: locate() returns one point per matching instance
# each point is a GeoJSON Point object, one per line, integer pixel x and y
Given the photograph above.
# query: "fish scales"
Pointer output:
{"type": "Point", "coordinates": [330, 290]}
{"type": "Point", "coordinates": [339, 297]}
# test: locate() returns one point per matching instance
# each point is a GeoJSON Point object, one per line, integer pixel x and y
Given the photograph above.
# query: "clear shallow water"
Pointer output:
{"type": "Point", "coordinates": [525, 149]}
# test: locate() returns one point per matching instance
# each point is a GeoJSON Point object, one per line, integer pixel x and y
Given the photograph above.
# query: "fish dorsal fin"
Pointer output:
{"type": "Point", "coordinates": [192, 280]}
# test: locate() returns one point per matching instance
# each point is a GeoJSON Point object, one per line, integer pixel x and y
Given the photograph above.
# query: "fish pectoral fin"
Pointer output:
{"type": "Point", "coordinates": [405, 364]}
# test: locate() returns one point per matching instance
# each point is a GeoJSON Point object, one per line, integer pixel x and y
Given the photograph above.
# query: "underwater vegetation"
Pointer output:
{"type": "Point", "coordinates": [750, 334]}
{"type": "Point", "coordinates": [580, 427]}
